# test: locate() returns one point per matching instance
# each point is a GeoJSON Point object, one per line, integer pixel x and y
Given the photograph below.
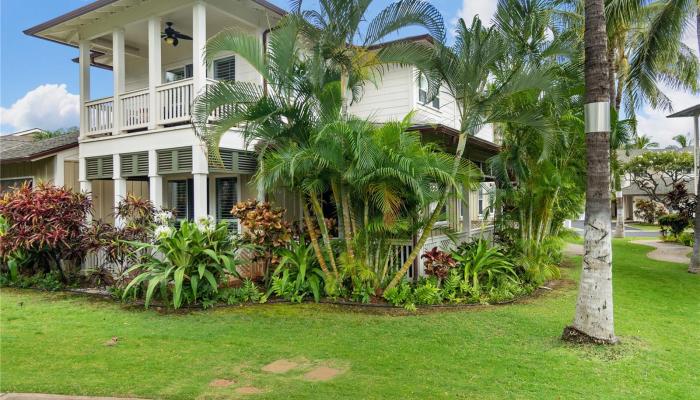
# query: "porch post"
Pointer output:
{"type": "Point", "coordinates": [154, 70]}
{"type": "Point", "coordinates": [84, 60]}
{"type": "Point", "coordinates": [119, 187]}
{"type": "Point", "coordinates": [85, 184]}
{"type": "Point", "coordinates": [59, 178]}
{"type": "Point", "coordinates": [467, 214]}
{"type": "Point", "coordinates": [199, 42]}
{"type": "Point", "coordinates": [200, 174]}
{"type": "Point", "coordinates": [118, 72]}
{"type": "Point", "coordinates": [155, 181]}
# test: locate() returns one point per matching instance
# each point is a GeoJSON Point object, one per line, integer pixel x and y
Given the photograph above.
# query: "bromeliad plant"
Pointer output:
{"type": "Point", "coordinates": [186, 263]}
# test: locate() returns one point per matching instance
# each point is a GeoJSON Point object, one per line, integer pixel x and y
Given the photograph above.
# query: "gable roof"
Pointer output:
{"type": "Point", "coordinates": [18, 149]}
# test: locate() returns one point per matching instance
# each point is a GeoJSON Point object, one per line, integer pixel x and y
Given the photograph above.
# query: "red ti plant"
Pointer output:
{"type": "Point", "coordinates": [438, 263]}
{"type": "Point", "coordinates": [48, 224]}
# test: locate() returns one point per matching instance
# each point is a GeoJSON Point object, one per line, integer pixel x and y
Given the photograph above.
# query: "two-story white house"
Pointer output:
{"type": "Point", "coordinates": [140, 140]}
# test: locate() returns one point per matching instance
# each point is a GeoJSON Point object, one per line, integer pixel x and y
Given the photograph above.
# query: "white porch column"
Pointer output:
{"type": "Point", "coordinates": [200, 173]}
{"type": "Point", "coordinates": [260, 195]}
{"type": "Point", "coordinates": [467, 214]}
{"type": "Point", "coordinates": [59, 177]}
{"type": "Point", "coordinates": [155, 181]}
{"type": "Point", "coordinates": [154, 70]}
{"type": "Point", "coordinates": [119, 187]}
{"type": "Point", "coordinates": [85, 184]}
{"type": "Point", "coordinates": [199, 41]}
{"type": "Point", "coordinates": [118, 72]}
{"type": "Point", "coordinates": [84, 81]}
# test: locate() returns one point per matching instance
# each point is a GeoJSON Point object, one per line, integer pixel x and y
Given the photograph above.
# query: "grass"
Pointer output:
{"type": "Point", "coordinates": [55, 343]}
{"type": "Point", "coordinates": [643, 226]}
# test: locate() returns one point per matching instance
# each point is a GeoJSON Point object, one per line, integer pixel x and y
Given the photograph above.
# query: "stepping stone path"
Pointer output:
{"type": "Point", "coordinates": [321, 374]}
{"type": "Point", "coordinates": [280, 366]}
{"type": "Point", "coordinates": [249, 390]}
{"type": "Point", "coordinates": [572, 249]}
{"type": "Point", "coordinates": [221, 383]}
{"type": "Point", "coordinates": [41, 396]}
{"type": "Point", "coordinates": [671, 252]}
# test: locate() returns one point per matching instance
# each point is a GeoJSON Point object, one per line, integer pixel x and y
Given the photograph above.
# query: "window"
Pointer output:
{"type": "Point", "coordinates": [178, 73]}
{"type": "Point", "coordinates": [423, 93]}
{"type": "Point", "coordinates": [226, 198]}
{"type": "Point", "coordinates": [225, 69]}
{"type": "Point", "coordinates": [9, 184]}
{"type": "Point", "coordinates": [181, 198]}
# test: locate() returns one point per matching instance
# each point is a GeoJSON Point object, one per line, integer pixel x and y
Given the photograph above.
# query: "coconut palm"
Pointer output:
{"type": "Point", "coordinates": [682, 140]}
{"type": "Point", "coordinates": [644, 142]}
{"type": "Point", "coordinates": [594, 307]}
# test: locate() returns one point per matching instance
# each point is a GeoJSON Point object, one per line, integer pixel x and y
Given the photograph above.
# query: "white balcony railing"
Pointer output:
{"type": "Point", "coordinates": [134, 109]}
{"type": "Point", "coordinates": [174, 102]}
{"type": "Point", "coordinates": [173, 106]}
{"type": "Point", "coordinates": [100, 116]}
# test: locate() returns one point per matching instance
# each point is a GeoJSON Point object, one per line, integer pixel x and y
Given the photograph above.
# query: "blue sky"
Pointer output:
{"type": "Point", "coordinates": [39, 82]}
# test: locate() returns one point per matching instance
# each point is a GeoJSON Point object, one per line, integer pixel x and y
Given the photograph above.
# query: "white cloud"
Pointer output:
{"type": "Point", "coordinates": [484, 8]}
{"type": "Point", "coordinates": [655, 124]}
{"type": "Point", "coordinates": [48, 106]}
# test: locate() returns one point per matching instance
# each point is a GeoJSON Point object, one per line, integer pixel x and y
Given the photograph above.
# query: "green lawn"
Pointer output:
{"type": "Point", "coordinates": [643, 226]}
{"type": "Point", "coordinates": [55, 343]}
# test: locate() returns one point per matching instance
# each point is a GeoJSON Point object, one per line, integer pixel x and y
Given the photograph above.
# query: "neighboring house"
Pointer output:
{"type": "Point", "coordinates": [25, 159]}
{"type": "Point", "coordinates": [631, 191]}
{"type": "Point", "coordinates": [140, 140]}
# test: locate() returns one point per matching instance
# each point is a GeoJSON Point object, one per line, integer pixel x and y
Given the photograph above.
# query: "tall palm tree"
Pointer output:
{"type": "Point", "coordinates": [594, 308]}
{"type": "Point", "coordinates": [343, 35]}
{"type": "Point", "coordinates": [644, 142]}
{"type": "Point", "coordinates": [623, 132]}
{"type": "Point", "coordinates": [471, 71]}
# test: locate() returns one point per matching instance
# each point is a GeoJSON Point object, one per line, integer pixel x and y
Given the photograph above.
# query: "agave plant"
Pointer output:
{"type": "Point", "coordinates": [189, 262]}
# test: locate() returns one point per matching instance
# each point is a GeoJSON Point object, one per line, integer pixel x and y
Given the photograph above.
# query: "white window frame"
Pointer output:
{"type": "Point", "coordinates": [431, 104]}
{"type": "Point", "coordinates": [24, 178]}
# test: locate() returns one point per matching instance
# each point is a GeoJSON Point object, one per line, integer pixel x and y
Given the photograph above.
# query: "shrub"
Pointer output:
{"type": "Point", "coordinates": [247, 292]}
{"type": "Point", "coordinates": [186, 263]}
{"type": "Point", "coordinates": [47, 226]}
{"type": "Point", "coordinates": [438, 263]}
{"type": "Point", "coordinates": [680, 201]}
{"type": "Point", "coordinates": [264, 227]}
{"type": "Point", "coordinates": [673, 224]}
{"type": "Point", "coordinates": [687, 239]}
{"type": "Point", "coordinates": [648, 210]}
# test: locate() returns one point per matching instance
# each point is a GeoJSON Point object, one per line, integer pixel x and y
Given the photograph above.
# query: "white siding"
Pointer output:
{"type": "Point", "coordinates": [389, 100]}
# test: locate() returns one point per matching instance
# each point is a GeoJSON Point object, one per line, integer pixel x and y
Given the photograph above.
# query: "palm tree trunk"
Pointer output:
{"type": "Point", "coordinates": [419, 246]}
{"type": "Point", "coordinates": [593, 321]}
{"type": "Point", "coordinates": [620, 223]}
{"type": "Point", "coordinates": [314, 240]}
{"type": "Point", "coordinates": [318, 210]}
{"type": "Point", "coordinates": [345, 203]}
{"type": "Point", "coordinates": [694, 267]}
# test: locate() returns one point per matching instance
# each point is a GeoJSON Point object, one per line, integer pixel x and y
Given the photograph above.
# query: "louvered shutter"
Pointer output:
{"type": "Point", "coordinates": [99, 167]}
{"type": "Point", "coordinates": [134, 164]}
{"type": "Point", "coordinates": [172, 161]}
{"type": "Point", "coordinates": [225, 69]}
{"type": "Point", "coordinates": [247, 162]}
{"type": "Point", "coordinates": [226, 198]}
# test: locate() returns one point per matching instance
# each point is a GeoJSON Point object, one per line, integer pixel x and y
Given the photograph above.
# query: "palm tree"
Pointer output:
{"type": "Point", "coordinates": [594, 308]}
{"type": "Point", "coordinates": [623, 132]}
{"type": "Point", "coordinates": [471, 71]}
{"type": "Point", "coordinates": [344, 36]}
{"type": "Point", "coordinates": [644, 142]}
{"type": "Point", "coordinates": [682, 140]}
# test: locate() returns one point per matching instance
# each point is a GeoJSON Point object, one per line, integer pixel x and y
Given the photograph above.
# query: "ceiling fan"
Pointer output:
{"type": "Point", "coordinates": [171, 36]}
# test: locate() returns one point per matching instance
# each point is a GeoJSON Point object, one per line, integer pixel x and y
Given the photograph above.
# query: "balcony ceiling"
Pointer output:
{"type": "Point", "coordinates": [101, 14]}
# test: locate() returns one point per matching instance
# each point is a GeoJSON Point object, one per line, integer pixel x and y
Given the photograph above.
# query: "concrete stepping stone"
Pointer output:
{"type": "Point", "coordinates": [222, 383]}
{"type": "Point", "coordinates": [321, 374]}
{"type": "Point", "coordinates": [280, 366]}
{"type": "Point", "coordinates": [249, 390]}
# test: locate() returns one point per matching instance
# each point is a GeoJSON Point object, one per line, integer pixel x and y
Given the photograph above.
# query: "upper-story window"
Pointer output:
{"type": "Point", "coordinates": [423, 93]}
{"type": "Point", "coordinates": [225, 69]}
{"type": "Point", "coordinates": [178, 73]}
